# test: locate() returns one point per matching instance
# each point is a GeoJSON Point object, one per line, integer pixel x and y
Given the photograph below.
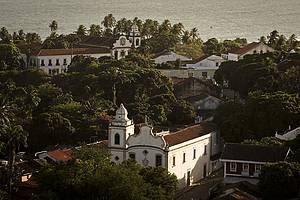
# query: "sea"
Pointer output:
{"type": "Point", "coordinates": [222, 19]}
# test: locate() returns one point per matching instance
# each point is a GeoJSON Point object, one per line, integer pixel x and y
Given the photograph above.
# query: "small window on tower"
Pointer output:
{"type": "Point", "coordinates": [117, 138]}
{"type": "Point", "coordinates": [137, 43]}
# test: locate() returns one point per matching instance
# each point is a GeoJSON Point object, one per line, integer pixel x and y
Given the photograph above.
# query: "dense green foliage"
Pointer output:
{"type": "Point", "coordinates": [280, 180]}
{"type": "Point", "coordinates": [262, 115]}
{"type": "Point", "coordinates": [91, 175]}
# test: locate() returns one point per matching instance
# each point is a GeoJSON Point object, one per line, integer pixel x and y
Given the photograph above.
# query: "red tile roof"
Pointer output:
{"type": "Point", "coordinates": [246, 48]}
{"type": "Point", "coordinates": [190, 133]}
{"type": "Point", "coordinates": [61, 155]}
{"type": "Point", "coordinates": [74, 51]}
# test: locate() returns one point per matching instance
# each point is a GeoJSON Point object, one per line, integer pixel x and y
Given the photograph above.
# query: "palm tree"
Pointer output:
{"type": "Point", "coordinates": [81, 31]}
{"type": "Point", "coordinates": [186, 37]}
{"type": "Point", "coordinates": [194, 33]}
{"type": "Point", "coordinates": [109, 21]}
{"type": "Point", "coordinates": [95, 30]}
{"type": "Point", "coordinates": [53, 26]}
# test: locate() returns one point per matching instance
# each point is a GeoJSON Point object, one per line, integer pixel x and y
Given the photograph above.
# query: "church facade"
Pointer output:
{"type": "Point", "coordinates": [186, 153]}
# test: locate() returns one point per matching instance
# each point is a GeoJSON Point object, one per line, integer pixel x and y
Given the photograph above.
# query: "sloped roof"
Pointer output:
{"type": "Point", "coordinates": [245, 49]}
{"type": "Point", "coordinates": [254, 153]}
{"type": "Point", "coordinates": [74, 51]}
{"type": "Point", "coordinates": [97, 41]}
{"type": "Point", "coordinates": [61, 155]}
{"type": "Point", "coordinates": [189, 133]}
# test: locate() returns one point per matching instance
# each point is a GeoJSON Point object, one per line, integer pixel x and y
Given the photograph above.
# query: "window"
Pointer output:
{"type": "Point", "coordinates": [217, 64]}
{"type": "Point", "coordinates": [50, 62]}
{"type": "Point", "coordinates": [190, 74]}
{"type": "Point", "coordinates": [50, 71]}
{"type": "Point", "coordinates": [122, 53]}
{"type": "Point", "coordinates": [194, 154]}
{"type": "Point", "coordinates": [122, 41]}
{"type": "Point", "coordinates": [261, 51]}
{"type": "Point", "coordinates": [257, 168]}
{"type": "Point", "coordinates": [42, 62]}
{"type": "Point", "coordinates": [183, 158]}
{"type": "Point", "coordinates": [245, 167]}
{"type": "Point", "coordinates": [205, 150]}
{"type": "Point", "coordinates": [132, 156]}
{"type": "Point", "coordinates": [158, 160]}
{"type": "Point", "coordinates": [57, 62]}
{"type": "Point", "coordinates": [137, 42]}
{"type": "Point", "coordinates": [65, 61]}
{"type": "Point", "coordinates": [174, 160]}
{"type": "Point", "coordinates": [116, 55]}
{"type": "Point", "coordinates": [204, 74]}
{"type": "Point", "coordinates": [254, 52]}
{"type": "Point", "coordinates": [233, 167]}
{"type": "Point", "coordinates": [117, 138]}
{"type": "Point", "coordinates": [117, 158]}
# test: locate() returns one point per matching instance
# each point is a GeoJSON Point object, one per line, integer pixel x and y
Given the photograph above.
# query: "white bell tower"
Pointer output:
{"type": "Point", "coordinates": [135, 36]}
{"type": "Point", "coordinates": [119, 131]}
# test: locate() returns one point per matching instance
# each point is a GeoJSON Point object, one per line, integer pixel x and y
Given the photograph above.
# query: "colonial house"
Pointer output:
{"type": "Point", "coordinates": [249, 49]}
{"type": "Point", "coordinates": [168, 56]}
{"type": "Point", "coordinates": [55, 61]}
{"type": "Point", "coordinates": [186, 153]}
{"type": "Point", "coordinates": [208, 64]}
{"type": "Point", "coordinates": [289, 135]}
{"type": "Point", "coordinates": [243, 162]}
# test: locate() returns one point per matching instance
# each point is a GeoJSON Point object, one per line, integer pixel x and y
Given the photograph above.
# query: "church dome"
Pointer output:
{"type": "Point", "coordinates": [134, 28]}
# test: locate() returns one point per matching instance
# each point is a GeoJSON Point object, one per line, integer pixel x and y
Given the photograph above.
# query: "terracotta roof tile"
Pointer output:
{"type": "Point", "coordinates": [190, 133]}
{"type": "Point", "coordinates": [74, 51]}
{"type": "Point", "coordinates": [245, 49]}
{"type": "Point", "coordinates": [61, 155]}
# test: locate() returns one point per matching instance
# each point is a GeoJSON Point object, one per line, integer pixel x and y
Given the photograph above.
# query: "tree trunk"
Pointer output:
{"type": "Point", "coordinates": [11, 164]}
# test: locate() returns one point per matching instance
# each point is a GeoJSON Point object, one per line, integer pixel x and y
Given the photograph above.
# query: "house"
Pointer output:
{"type": "Point", "coordinates": [185, 153]}
{"type": "Point", "coordinates": [58, 155]}
{"type": "Point", "coordinates": [244, 161]}
{"type": "Point", "coordinates": [188, 87]}
{"type": "Point", "coordinates": [290, 135]}
{"type": "Point", "coordinates": [208, 64]}
{"type": "Point", "coordinates": [168, 56]}
{"type": "Point", "coordinates": [55, 61]}
{"type": "Point", "coordinates": [249, 49]}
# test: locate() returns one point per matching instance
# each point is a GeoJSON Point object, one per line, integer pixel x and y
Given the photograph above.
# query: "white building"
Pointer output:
{"type": "Point", "coordinates": [249, 49]}
{"type": "Point", "coordinates": [169, 56]}
{"type": "Point", "coordinates": [206, 62]}
{"type": "Point", "coordinates": [55, 61]}
{"type": "Point", "coordinates": [186, 153]}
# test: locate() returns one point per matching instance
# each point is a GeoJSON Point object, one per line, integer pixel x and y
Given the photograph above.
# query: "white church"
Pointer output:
{"type": "Point", "coordinates": [56, 61]}
{"type": "Point", "coordinates": [187, 153]}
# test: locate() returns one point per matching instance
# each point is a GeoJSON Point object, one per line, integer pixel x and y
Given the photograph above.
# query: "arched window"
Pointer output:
{"type": "Point", "coordinates": [137, 42]}
{"type": "Point", "coordinates": [117, 138]}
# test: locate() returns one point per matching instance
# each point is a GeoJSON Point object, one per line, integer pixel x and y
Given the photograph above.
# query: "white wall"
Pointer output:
{"type": "Point", "coordinates": [195, 166]}
{"type": "Point", "coordinates": [61, 67]}
{"type": "Point", "coordinates": [211, 62]}
{"type": "Point", "coordinates": [170, 57]}
{"type": "Point", "coordinates": [186, 73]}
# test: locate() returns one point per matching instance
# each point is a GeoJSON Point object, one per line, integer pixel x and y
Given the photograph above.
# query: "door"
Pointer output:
{"type": "Point", "coordinates": [204, 171]}
{"type": "Point", "coordinates": [188, 180]}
